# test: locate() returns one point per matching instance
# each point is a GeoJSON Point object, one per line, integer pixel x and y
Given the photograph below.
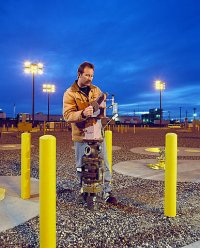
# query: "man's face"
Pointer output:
{"type": "Point", "coordinates": [85, 79]}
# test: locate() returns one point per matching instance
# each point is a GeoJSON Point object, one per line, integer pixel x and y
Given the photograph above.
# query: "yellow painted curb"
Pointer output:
{"type": "Point", "coordinates": [2, 194]}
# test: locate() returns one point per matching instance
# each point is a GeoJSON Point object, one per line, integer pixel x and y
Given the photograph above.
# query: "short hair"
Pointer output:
{"type": "Point", "coordinates": [83, 65]}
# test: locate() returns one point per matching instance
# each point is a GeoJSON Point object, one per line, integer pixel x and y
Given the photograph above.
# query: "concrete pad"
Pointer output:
{"type": "Point", "coordinates": [14, 210]}
{"type": "Point", "coordinates": [188, 170]}
{"type": "Point", "coordinates": [116, 148]}
{"type": "Point", "coordinates": [182, 151]}
{"type": "Point", "coordinates": [193, 245]}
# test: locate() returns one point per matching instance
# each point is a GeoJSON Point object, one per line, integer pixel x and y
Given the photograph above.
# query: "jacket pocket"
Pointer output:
{"type": "Point", "coordinates": [81, 103]}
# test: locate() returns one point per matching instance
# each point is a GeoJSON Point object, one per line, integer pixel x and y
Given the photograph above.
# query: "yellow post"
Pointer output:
{"type": "Point", "coordinates": [170, 174]}
{"type": "Point", "coordinates": [47, 173]}
{"type": "Point", "coordinates": [134, 129]}
{"type": "Point", "coordinates": [108, 138]}
{"type": "Point", "coordinates": [25, 165]}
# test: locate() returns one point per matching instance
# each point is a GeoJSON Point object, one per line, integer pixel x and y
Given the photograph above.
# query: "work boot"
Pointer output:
{"type": "Point", "coordinates": [109, 198]}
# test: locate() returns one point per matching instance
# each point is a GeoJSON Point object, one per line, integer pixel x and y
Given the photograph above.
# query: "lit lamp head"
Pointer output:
{"type": "Point", "coordinates": [50, 88]}
{"type": "Point", "coordinates": [159, 85]}
{"type": "Point", "coordinates": [34, 68]}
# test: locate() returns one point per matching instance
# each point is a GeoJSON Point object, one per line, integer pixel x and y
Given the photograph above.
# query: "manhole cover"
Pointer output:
{"type": "Point", "coordinates": [152, 149]}
{"type": "Point", "coordinates": [9, 146]}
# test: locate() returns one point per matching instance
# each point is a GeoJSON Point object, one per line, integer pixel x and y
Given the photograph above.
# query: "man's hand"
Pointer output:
{"type": "Point", "coordinates": [87, 112]}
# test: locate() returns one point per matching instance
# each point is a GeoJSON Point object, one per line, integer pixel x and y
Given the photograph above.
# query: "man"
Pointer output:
{"type": "Point", "coordinates": [76, 110]}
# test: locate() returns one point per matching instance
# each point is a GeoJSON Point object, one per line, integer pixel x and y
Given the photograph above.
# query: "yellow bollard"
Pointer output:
{"type": "Point", "coordinates": [170, 175]}
{"type": "Point", "coordinates": [108, 138]}
{"type": "Point", "coordinates": [134, 129]}
{"type": "Point", "coordinates": [25, 165]}
{"type": "Point", "coordinates": [47, 173]}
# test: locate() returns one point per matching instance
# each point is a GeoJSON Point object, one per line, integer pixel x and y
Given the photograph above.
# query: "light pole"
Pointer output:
{"type": "Point", "coordinates": [159, 85]}
{"type": "Point", "coordinates": [49, 88]}
{"type": "Point", "coordinates": [194, 113]}
{"type": "Point", "coordinates": [180, 114]}
{"type": "Point", "coordinates": [33, 68]}
{"type": "Point", "coordinates": [169, 115]}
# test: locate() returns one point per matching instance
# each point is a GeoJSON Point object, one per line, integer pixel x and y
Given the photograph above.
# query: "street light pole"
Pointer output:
{"type": "Point", "coordinates": [49, 88]}
{"type": "Point", "coordinates": [159, 85]}
{"type": "Point", "coordinates": [33, 98]}
{"type": "Point", "coordinates": [33, 68]}
{"type": "Point", "coordinates": [160, 107]}
{"type": "Point", "coordinates": [194, 113]}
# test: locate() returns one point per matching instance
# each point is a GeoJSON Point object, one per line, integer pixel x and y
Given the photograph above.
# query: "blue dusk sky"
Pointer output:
{"type": "Point", "coordinates": [132, 43]}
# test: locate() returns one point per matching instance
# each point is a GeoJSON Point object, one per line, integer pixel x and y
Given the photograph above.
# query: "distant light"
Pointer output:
{"type": "Point", "coordinates": [49, 88]}
{"type": "Point", "coordinates": [40, 65]}
{"type": "Point", "coordinates": [34, 68]}
{"type": "Point", "coordinates": [159, 85]}
{"type": "Point", "coordinates": [27, 63]}
{"type": "Point", "coordinates": [195, 114]}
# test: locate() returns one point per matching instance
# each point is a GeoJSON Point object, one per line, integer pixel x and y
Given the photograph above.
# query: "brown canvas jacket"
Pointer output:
{"type": "Point", "coordinates": [74, 102]}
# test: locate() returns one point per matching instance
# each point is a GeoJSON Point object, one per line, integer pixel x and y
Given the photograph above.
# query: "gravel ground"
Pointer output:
{"type": "Point", "coordinates": [136, 221]}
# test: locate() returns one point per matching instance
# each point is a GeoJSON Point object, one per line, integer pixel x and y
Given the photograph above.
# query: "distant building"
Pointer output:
{"type": "Point", "coordinates": [2, 115]}
{"type": "Point", "coordinates": [43, 117]}
{"type": "Point", "coordinates": [40, 117]}
{"type": "Point", "coordinates": [153, 117]}
{"type": "Point", "coordinates": [128, 120]}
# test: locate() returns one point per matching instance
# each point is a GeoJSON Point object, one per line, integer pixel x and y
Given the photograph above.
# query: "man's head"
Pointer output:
{"type": "Point", "coordinates": [85, 74]}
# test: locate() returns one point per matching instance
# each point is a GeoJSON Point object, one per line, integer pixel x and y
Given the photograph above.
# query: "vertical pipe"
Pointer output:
{"type": "Point", "coordinates": [108, 138]}
{"type": "Point", "coordinates": [44, 127]}
{"type": "Point", "coordinates": [170, 174]}
{"type": "Point", "coordinates": [33, 98]}
{"type": "Point", "coordinates": [47, 173]}
{"type": "Point", "coordinates": [25, 165]}
{"type": "Point", "coordinates": [160, 107]}
{"type": "Point", "coordinates": [48, 105]}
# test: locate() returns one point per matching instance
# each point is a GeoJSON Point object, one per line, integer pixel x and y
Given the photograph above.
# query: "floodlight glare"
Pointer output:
{"type": "Point", "coordinates": [159, 85]}
{"type": "Point", "coordinates": [49, 88]}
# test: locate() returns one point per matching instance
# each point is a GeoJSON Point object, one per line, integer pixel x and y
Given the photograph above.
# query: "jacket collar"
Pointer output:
{"type": "Point", "coordinates": [75, 87]}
